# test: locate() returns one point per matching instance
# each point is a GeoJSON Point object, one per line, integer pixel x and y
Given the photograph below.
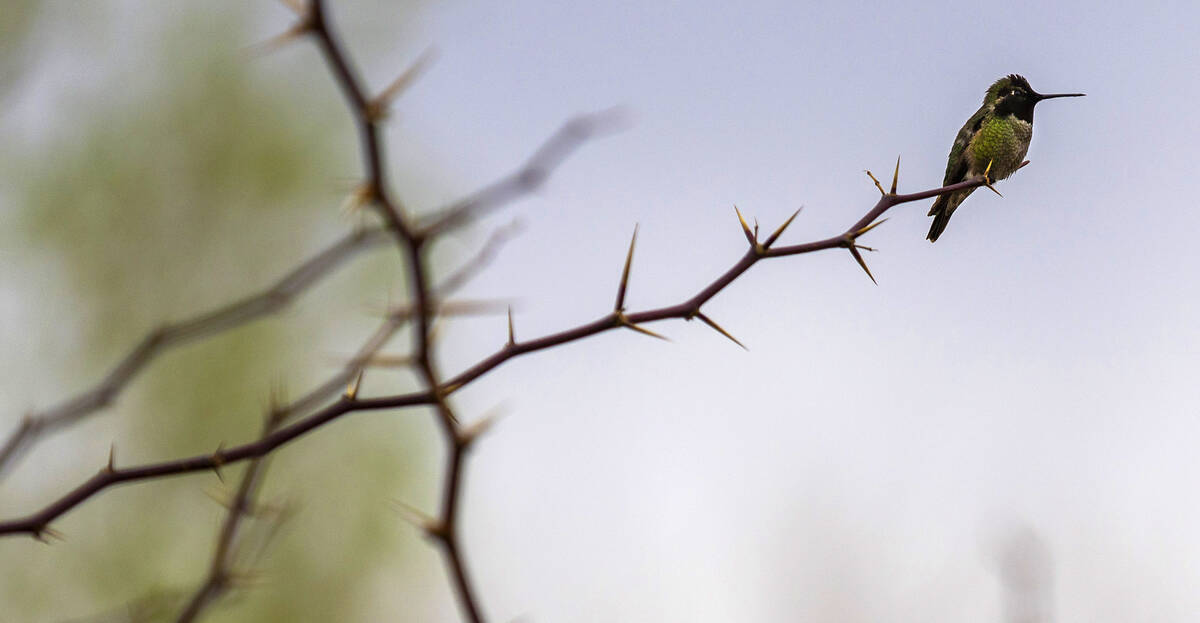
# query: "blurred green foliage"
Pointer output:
{"type": "Point", "coordinates": [188, 175]}
{"type": "Point", "coordinates": [16, 23]}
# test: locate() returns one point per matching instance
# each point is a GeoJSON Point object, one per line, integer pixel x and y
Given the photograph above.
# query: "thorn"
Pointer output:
{"type": "Point", "coordinates": [987, 181]}
{"type": "Point", "coordinates": [218, 461]}
{"type": "Point", "coordinates": [716, 327]}
{"type": "Point", "coordinates": [756, 228]}
{"type": "Point", "coordinates": [625, 322]}
{"type": "Point", "coordinates": [865, 247]}
{"type": "Point", "coordinates": [435, 329]}
{"type": "Point", "coordinates": [778, 232]}
{"type": "Point", "coordinates": [745, 228]}
{"type": "Point", "coordinates": [377, 108]}
{"type": "Point", "coordinates": [277, 409]}
{"type": "Point", "coordinates": [468, 435]}
{"type": "Point", "coordinates": [112, 459]}
{"type": "Point", "coordinates": [414, 516]}
{"type": "Point", "coordinates": [296, 31]}
{"type": "Point", "coordinates": [877, 184]}
{"type": "Point", "coordinates": [296, 6]}
{"type": "Point", "coordinates": [245, 579]}
{"type": "Point", "coordinates": [272, 511]}
{"type": "Point", "coordinates": [46, 533]}
{"type": "Point", "coordinates": [895, 176]}
{"type": "Point", "coordinates": [222, 497]}
{"type": "Point", "coordinates": [620, 305]}
{"type": "Point", "coordinates": [870, 227]}
{"type": "Point", "coordinates": [361, 196]}
{"type": "Point", "coordinates": [512, 339]}
{"type": "Point", "coordinates": [387, 361]}
{"type": "Point", "coordinates": [450, 388]}
{"type": "Point", "coordinates": [437, 530]}
{"type": "Point", "coordinates": [859, 259]}
{"type": "Point", "coordinates": [352, 388]}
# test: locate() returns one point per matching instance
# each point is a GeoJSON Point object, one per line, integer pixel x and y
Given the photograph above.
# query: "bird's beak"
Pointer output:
{"type": "Point", "coordinates": [1041, 97]}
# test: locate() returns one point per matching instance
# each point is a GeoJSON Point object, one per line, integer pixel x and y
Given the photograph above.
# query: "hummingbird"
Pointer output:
{"type": "Point", "coordinates": [992, 143]}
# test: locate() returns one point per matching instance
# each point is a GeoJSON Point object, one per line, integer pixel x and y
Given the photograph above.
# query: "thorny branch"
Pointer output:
{"type": "Point", "coordinates": [158, 341]}
{"type": "Point", "coordinates": [367, 113]}
{"type": "Point", "coordinates": [221, 574]}
{"type": "Point", "coordinates": [37, 523]}
{"type": "Point", "coordinates": [413, 239]}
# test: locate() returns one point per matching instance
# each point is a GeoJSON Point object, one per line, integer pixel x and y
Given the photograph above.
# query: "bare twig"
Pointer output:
{"type": "Point", "coordinates": [221, 572]}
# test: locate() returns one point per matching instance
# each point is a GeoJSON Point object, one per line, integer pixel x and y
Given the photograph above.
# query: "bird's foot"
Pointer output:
{"type": "Point", "coordinates": [987, 180]}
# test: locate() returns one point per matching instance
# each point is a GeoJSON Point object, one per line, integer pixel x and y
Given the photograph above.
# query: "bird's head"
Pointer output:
{"type": "Point", "coordinates": [1012, 95]}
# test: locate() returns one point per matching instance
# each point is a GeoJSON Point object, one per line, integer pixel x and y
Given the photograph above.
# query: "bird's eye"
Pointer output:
{"type": "Point", "coordinates": [1012, 92]}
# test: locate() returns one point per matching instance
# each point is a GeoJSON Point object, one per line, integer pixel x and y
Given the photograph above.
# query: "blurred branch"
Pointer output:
{"type": "Point", "coordinates": [158, 341]}
{"type": "Point", "coordinates": [367, 113]}
{"type": "Point", "coordinates": [221, 572]}
{"type": "Point", "coordinates": [396, 318]}
{"type": "Point", "coordinates": [530, 176]}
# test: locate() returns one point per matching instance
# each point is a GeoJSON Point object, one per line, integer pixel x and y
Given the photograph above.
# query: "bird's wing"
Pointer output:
{"type": "Point", "coordinates": [957, 165]}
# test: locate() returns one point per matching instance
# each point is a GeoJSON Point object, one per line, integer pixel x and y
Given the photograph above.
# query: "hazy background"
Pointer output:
{"type": "Point", "coordinates": [1025, 388]}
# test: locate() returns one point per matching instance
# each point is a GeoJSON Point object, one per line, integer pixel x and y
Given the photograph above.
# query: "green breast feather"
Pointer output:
{"type": "Point", "coordinates": [1003, 142]}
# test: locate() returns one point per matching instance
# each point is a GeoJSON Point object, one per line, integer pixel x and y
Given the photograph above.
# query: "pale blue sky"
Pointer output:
{"type": "Point", "coordinates": [1037, 365]}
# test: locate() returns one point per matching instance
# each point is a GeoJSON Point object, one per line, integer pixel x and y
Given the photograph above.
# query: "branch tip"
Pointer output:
{"type": "Point", "coordinates": [877, 184]}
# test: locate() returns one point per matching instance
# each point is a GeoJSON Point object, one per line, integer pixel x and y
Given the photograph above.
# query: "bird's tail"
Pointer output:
{"type": "Point", "coordinates": [942, 208]}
